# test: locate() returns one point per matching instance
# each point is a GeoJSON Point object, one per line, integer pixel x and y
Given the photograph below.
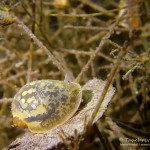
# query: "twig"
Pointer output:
{"type": "Point", "coordinates": [109, 80]}
{"type": "Point", "coordinates": [99, 48]}
{"type": "Point", "coordinates": [6, 100]}
{"type": "Point", "coordinates": [102, 139]}
{"type": "Point", "coordinates": [40, 44]}
{"type": "Point", "coordinates": [31, 44]}
{"type": "Point", "coordinates": [87, 28]}
{"type": "Point", "coordinates": [96, 7]}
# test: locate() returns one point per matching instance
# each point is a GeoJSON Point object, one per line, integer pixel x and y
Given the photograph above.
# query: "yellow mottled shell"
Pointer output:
{"type": "Point", "coordinates": [6, 19]}
{"type": "Point", "coordinates": [61, 3]}
{"type": "Point", "coordinates": [44, 104]}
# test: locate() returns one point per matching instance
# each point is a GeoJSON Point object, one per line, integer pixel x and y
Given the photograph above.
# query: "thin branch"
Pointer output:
{"type": "Point", "coordinates": [40, 44]}
{"type": "Point", "coordinates": [109, 81]}
{"type": "Point", "coordinates": [99, 48]}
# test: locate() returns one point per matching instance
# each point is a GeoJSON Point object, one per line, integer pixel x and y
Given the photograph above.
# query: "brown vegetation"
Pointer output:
{"type": "Point", "coordinates": [80, 39]}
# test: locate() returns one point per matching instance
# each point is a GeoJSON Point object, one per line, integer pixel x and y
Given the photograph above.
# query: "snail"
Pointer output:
{"type": "Point", "coordinates": [45, 104]}
{"type": "Point", "coordinates": [6, 18]}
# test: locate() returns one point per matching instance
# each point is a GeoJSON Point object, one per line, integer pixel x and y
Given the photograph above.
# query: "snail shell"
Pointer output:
{"type": "Point", "coordinates": [6, 18]}
{"type": "Point", "coordinates": [44, 104]}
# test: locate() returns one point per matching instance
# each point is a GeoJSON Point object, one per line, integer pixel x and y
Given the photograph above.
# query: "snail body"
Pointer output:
{"type": "Point", "coordinates": [45, 104]}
